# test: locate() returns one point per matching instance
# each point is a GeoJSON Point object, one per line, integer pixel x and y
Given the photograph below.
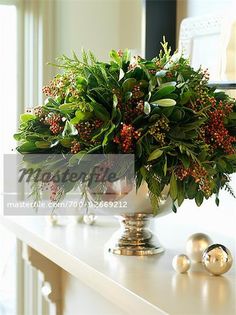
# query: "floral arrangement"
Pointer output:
{"type": "Point", "coordinates": [181, 131]}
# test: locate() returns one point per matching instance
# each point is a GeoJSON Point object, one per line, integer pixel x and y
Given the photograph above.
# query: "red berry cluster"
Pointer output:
{"type": "Point", "coordinates": [169, 75]}
{"type": "Point", "coordinates": [75, 147]}
{"type": "Point", "coordinates": [159, 129]}
{"type": "Point", "coordinates": [137, 93]}
{"type": "Point", "coordinates": [87, 128]}
{"type": "Point", "coordinates": [53, 118]}
{"type": "Point", "coordinates": [215, 132]}
{"type": "Point", "coordinates": [205, 75]}
{"type": "Point", "coordinates": [152, 71]}
{"type": "Point", "coordinates": [39, 112]}
{"type": "Point", "coordinates": [58, 87]}
{"type": "Point", "coordinates": [54, 121]}
{"type": "Point", "coordinates": [54, 189]}
{"type": "Point", "coordinates": [132, 66]}
{"type": "Point", "coordinates": [55, 128]}
{"type": "Point", "coordinates": [199, 175]}
{"type": "Point", "coordinates": [133, 109]}
{"type": "Point", "coordinates": [126, 139]}
{"type": "Point", "coordinates": [47, 90]}
{"type": "Point", "coordinates": [120, 53]}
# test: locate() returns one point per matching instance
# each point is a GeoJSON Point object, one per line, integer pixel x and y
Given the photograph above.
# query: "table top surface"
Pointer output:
{"type": "Point", "coordinates": [139, 285]}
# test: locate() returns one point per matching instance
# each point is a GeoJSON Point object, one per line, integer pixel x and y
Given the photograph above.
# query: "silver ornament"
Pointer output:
{"type": "Point", "coordinates": [181, 263]}
{"type": "Point", "coordinates": [89, 219]}
{"type": "Point", "coordinates": [196, 244]}
{"type": "Point", "coordinates": [217, 259]}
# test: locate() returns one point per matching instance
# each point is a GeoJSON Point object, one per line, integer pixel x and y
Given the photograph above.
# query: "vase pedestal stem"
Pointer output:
{"type": "Point", "coordinates": [134, 237]}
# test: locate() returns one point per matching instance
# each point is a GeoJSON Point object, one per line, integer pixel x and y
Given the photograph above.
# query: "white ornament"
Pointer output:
{"type": "Point", "coordinates": [89, 219]}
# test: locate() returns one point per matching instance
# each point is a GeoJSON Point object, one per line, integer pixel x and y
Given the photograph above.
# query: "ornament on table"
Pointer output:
{"type": "Point", "coordinates": [181, 263]}
{"type": "Point", "coordinates": [196, 244]}
{"type": "Point", "coordinates": [217, 259]}
{"type": "Point", "coordinates": [52, 219]}
{"type": "Point", "coordinates": [89, 219]}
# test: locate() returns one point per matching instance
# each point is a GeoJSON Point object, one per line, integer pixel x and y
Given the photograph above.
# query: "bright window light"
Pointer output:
{"type": "Point", "coordinates": [8, 74]}
{"type": "Point", "coordinates": [8, 122]}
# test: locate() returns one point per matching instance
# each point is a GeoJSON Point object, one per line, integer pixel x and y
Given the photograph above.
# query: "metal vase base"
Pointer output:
{"type": "Point", "coordinates": [134, 237]}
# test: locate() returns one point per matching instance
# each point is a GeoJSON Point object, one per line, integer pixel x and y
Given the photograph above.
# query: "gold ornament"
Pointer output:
{"type": "Point", "coordinates": [217, 259]}
{"type": "Point", "coordinates": [196, 244]}
{"type": "Point", "coordinates": [181, 263]}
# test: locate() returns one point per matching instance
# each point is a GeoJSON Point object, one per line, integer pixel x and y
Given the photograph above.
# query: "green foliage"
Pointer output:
{"type": "Point", "coordinates": [155, 155]}
{"type": "Point", "coordinates": [165, 103]}
{"type": "Point", "coordinates": [69, 130]}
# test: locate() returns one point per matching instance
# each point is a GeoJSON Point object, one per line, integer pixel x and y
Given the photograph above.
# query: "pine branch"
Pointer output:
{"type": "Point", "coordinates": [229, 189]}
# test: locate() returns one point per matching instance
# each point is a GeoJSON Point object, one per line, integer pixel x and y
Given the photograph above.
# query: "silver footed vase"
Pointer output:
{"type": "Point", "coordinates": [134, 238]}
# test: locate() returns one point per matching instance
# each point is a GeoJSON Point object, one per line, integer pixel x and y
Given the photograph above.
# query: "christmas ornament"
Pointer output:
{"type": "Point", "coordinates": [217, 259]}
{"type": "Point", "coordinates": [89, 219]}
{"type": "Point", "coordinates": [52, 219]}
{"type": "Point", "coordinates": [181, 263]}
{"type": "Point", "coordinates": [196, 244]}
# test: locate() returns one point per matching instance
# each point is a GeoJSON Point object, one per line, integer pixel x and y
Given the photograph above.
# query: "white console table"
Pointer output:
{"type": "Point", "coordinates": [84, 279]}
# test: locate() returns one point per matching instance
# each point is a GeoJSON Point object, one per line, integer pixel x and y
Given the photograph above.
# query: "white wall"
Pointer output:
{"type": "Point", "coordinates": [200, 7]}
{"type": "Point", "coordinates": [98, 25]}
